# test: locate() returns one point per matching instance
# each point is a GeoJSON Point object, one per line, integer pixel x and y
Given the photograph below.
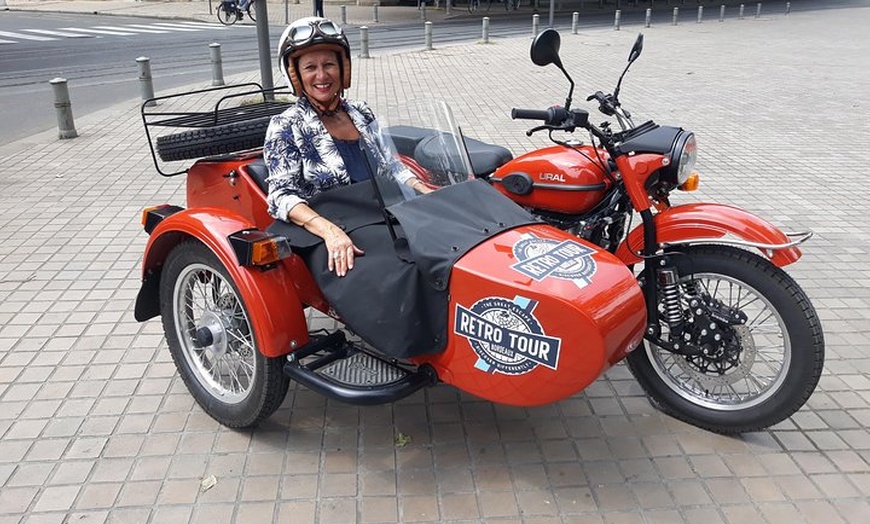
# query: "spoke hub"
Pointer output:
{"type": "Point", "coordinates": [211, 334]}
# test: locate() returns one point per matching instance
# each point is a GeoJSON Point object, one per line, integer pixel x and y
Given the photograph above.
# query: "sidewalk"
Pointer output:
{"type": "Point", "coordinates": [97, 427]}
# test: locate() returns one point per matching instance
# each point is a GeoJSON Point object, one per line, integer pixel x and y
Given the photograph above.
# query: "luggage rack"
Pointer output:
{"type": "Point", "coordinates": [228, 111]}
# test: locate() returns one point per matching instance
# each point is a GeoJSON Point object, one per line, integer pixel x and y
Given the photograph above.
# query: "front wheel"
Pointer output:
{"type": "Point", "coordinates": [251, 12]}
{"type": "Point", "coordinates": [227, 14]}
{"type": "Point", "coordinates": [753, 347]}
{"type": "Point", "coordinates": [211, 340]}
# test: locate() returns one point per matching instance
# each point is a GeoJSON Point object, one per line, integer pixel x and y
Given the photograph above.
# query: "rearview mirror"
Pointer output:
{"type": "Point", "coordinates": [545, 48]}
{"type": "Point", "coordinates": [636, 49]}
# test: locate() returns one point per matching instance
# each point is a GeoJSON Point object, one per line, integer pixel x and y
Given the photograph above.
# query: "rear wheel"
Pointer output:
{"type": "Point", "coordinates": [754, 343]}
{"type": "Point", "coordinates": [211, 341]}
{"type": "Point", "coordinates": [227, 14]}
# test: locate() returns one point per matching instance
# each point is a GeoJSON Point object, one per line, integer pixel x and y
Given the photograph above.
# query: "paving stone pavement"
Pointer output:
{"type": "Point", "coordinates": [97, 427]}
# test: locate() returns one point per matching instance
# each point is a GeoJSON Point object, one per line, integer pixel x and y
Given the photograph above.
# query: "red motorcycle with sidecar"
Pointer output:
{"type": "Point", "coordinates": [518, 304]}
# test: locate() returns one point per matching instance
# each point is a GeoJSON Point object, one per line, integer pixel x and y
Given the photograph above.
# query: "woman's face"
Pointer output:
{"type": "Point", "coordinates": [320, 75]}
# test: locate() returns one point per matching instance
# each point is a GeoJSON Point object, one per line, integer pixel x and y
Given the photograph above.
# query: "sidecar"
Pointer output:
{"type": "Point", "coordinates": [459, 286]}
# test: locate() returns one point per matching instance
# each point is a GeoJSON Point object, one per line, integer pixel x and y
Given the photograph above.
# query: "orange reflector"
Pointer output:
{"type": "Point", "coordinates": [691, 183]}
{"type": "Point", "coordinates": [147, 211]}
{"type": "Point", "coordinates": [265, 252]}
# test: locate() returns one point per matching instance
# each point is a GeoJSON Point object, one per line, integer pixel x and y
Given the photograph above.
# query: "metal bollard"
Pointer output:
{"type": "Point", "coordinates": [343, 10]}
{"type": "Point", "coordinates": [364, 42]}
{"type": "Point", "coordinates": [700, 14]}
{"type": "Point", "coordinates": [423, 10]}
{"type": "Point", "coordinates": [287, 11]}
{"type": "Point", "coordinates": [787, 8]}
{"type": "Point", "coordinates": [722, 13]}
{"type": "Point", "coordinates": [740, 14]}
{"type": "Point", "coordinates": [648, 19]}
{"type": "Point", "coordinates": [375, 12]}
{"type": "Point", "coordinates": [146, 86]}
{"type": "Point", "coordinates": [758, 11]}
{"type": "Point", "coordinates": [676, 15]}
{"type": "Point", "coordinates": [447, 6]}
{"type": "Point", "coordinates": [428, 34]}
{"type": "Point", "coordinates": [66, 128]}
{"type": "Point", "coordinates": [616, 18]}
{"type": "Point", "coordinates": [575, 19]}
{"type": "Point", "coordinates": [485, 29]}
{"type": "Point", "coordinates": [217, 70]}
{"type": "Point", "coordinates": [536, 24]}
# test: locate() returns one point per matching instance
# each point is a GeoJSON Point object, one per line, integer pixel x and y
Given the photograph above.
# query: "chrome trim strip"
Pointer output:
{"type": "Point", "coordinates": [799, 238]}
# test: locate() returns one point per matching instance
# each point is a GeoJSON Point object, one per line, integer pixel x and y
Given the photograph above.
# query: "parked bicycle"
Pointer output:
{"type": "Point", "coordinates": [509, 5]}
{"type": "Point", "coordinates": [231, 11]}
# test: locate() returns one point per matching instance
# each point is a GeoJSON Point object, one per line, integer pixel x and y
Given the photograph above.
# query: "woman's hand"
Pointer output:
{"type": "Point", "coordinates": [340, 250]}
{"type": "Point", "coordinates": [339, 246]}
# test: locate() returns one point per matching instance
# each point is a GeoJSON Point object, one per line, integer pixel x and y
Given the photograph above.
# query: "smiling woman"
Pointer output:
{"type": "Point", "coordinates": [324, 140]}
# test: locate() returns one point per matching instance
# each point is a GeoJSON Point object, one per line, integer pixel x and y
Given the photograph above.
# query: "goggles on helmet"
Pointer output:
{"type": "Point", "coordinates": [303, 34]}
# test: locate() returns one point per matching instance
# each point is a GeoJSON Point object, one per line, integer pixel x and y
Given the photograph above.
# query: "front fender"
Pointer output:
{"type": "Point", "coordinates": [274, 309]}
{"type": "Point", "coordinates": [706, 222]}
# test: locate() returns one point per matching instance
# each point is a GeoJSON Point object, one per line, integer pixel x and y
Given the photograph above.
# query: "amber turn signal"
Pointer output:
{"type": "Point", "coordinates": [691, 183]}
{"type": "Point", "coordinates": [259, 248]}
{"type": "Point", "coordinates": [269, 251]}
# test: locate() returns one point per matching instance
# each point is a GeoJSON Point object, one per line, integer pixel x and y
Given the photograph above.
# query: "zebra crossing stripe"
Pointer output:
{"type": "Point", "coordinates": [9, 34]}
{"type": "Point", "coordinates": [204, 25]}
{"type": "Point", "coordinates": [149, 28]}
{"type": "Point", "coordinates": [177, 27]}
{"type": "Point", "coordinates": [97, 31]}
{"type": "Point", "coordinates": [139, 29]}
{"type": "Point", "coordinates": [57, 33]}
{"type": "Point", "coordinates": [7, 42]}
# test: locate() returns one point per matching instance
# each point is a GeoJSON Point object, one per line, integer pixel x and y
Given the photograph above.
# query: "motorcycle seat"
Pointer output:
{"type": "Point", "coordinates": [422, 145]}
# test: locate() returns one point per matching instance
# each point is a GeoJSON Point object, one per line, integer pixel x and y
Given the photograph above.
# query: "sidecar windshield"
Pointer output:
{"type": "Point", "coordinates": [426, 138]}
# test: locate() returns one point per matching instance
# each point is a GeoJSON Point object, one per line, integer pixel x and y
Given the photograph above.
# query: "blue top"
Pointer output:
{"type": "Point", "coordinates": [354, 160]}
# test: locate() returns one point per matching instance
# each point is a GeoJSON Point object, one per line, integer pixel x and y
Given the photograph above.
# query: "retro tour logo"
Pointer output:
{"type": "Point", "coordinates": [506, 336]}
{"type": "Point", "coordinates": [540, 258]}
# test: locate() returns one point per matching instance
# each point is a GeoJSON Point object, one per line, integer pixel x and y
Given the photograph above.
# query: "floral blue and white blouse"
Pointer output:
{"type": "Point", "coordinates": [303, 159]}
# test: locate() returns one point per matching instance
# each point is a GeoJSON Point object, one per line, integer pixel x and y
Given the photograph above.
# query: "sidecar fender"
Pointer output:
{"type": "Point", "coordinates": [274, 309]}
{"type": "Point", "coordinates": [705, 223]}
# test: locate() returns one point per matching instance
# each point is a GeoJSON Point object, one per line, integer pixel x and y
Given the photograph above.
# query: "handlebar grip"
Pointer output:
{"type": "Point", "coordinates": [530, 114]}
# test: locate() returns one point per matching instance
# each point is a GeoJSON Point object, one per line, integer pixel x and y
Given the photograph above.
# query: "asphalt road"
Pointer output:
{"type": "Point", "coordinates": [101, 68]}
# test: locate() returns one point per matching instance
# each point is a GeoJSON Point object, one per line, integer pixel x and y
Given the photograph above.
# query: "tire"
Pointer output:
{"type": "Point", "coordinates": [217, 140]}
{"type": "Point", "coordinates": [251, 12]}
{"type": "Point", "coordinates": [226, 14]}
{"type": "Point", "coordinates": [473, 5]}
{"type": "Point", "coordinates": [773, 356]}
{"type": "Point", "coordinates": [229, 378]}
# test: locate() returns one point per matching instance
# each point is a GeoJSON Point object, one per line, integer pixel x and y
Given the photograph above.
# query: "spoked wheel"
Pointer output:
{"type": "Point", "coordinates": [211, 341]}
{"type": "Point", "coordinates": [251, 12]}
{"type": "Point", "coordinates": [473, 5]}
{"type": "Point", "coordinates": [226, 14]}
{"type": "Point", "coordinates": [752, 344]}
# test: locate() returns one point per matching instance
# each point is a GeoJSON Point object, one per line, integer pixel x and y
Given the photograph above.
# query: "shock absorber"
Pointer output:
{"type": "Point", "coordinates": [670, 295]}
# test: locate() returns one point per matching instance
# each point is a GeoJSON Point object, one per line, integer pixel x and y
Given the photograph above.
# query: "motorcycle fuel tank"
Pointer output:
{"type": "Point", "coordinates": [536, 315]}
{"type": "Point", "coordinates": [556, 178]}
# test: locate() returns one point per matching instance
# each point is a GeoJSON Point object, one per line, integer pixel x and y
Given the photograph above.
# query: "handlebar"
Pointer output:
{"type": "Point", "coordinates": [529, 114]}
{"type": "Point", "coordinates": [554, 117]}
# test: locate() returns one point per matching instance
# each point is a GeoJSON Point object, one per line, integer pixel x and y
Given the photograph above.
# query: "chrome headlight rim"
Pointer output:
{"type": "Point", "coordinates": [684, 155]}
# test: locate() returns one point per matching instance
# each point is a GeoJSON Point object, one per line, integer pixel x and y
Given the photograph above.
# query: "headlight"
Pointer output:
{"type": "Point", "coordinates": [685, 153]}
